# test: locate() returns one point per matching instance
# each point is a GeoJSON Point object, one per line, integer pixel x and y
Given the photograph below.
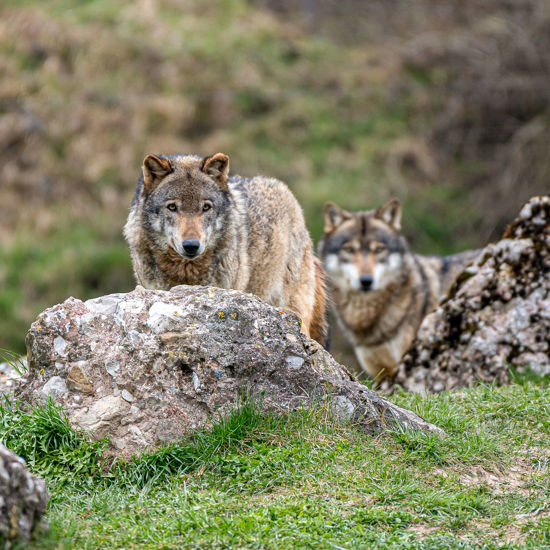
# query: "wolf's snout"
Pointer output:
{"type": "Point", "coordinates": [366, 282]}
{"type": "Point", "coordinates": [191, 246]}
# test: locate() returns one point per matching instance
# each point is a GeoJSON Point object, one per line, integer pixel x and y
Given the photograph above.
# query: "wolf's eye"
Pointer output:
{"type": "Point", "coordinates": [378, 248]}
{"type": "Point", "coordinates": [206, 207]}
{"type": "Point", "coordinates": [172, 207]}
{"type": "Point", "coordinates": [348, 248]}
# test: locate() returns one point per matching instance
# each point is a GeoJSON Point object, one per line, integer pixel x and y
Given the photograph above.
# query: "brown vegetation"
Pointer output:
{"type": "Point", "coordinates": [443, 104]}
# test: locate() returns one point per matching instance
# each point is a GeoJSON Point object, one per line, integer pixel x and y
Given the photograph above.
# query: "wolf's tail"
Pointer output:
{"type": "Point", "coordinates": [319, 329]}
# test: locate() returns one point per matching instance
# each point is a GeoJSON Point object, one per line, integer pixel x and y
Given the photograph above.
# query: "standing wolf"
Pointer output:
{"type": "Point", "coordinates": [191, 224]}
{"type": "Point", "coordinates": [381, 290]}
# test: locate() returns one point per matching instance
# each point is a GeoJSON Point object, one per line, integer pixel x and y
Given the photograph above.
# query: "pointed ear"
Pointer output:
{"type": "Point", "coordinates": [391, 213]}
{"type": "Point", "coordinates": [154, 169]}
{"type": "Point", "coordinates": [334, 216]}
{"type": "Point", "coordinates": [217, 167]}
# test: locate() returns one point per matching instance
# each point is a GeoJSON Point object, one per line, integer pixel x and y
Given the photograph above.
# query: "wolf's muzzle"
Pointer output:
{"type": "Point", "coordinates": [191, 247]}
{"type": "Point", "coordinates": [366, 282]}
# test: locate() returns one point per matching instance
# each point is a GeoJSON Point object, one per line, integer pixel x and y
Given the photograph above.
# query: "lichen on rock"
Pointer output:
{"type": "Point", "coordinates": [495, 318]}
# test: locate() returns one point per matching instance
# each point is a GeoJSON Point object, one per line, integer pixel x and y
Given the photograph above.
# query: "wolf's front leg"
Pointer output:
{"type": "Point", "coordinates": [374, 361]}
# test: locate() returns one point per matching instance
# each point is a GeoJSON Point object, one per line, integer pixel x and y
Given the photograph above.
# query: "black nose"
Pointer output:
{"type": "Point", "coordinates": [191, 246]}
{"type": "Point", "coordinates": [366, 282]}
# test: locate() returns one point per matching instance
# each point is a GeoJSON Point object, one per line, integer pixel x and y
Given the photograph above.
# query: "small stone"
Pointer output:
{"type": "Point", "coordinates": [54, 386]}
{"type": "Point", "coordinates": [127, 307]}
{"type": "Point", "coordinates": [294, 362]}
{"type": "Point", "coordinates": [127, 396]}
{"type": "Point", "coordinates": [196, 382]}
{"type": "Point", "coordinates": [171, 337]}
{"type": "Point", "coordinates": [105, 305]}
{"type": "Point", "coordinates": [112, 368]}
{"type": "Point", "coordinates": [163, 317]}
{"type": "Point", "coordinates": [60, 346]}
{"type": "Point", "coordinates": [344, 407]}
{"type": "Point", "coordinates": [103, 411]}
{"type": "Point", "coordinates": [134, 337]}
{"type": "Point", "coordinates": [137, 436]}
{"type": "Point", "coordinates": [78, 379]}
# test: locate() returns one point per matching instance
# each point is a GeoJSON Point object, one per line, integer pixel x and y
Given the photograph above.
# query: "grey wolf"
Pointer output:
{"type": "Point", "coordinates": [191, 224]}
{"type": "Point", "coordinates": [381, 291]}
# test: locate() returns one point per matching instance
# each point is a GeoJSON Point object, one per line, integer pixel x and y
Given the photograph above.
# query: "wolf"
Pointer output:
{"type": "Point", "coordinates": [192, 224]}
{"type": "Point", "coordinates": [381, 291]}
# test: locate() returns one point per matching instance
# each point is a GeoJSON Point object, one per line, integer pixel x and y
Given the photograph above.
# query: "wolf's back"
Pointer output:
{"type": "Point", "coordinates": [280, 247]}
{"type": "Point", "coordinates": [448, 268]}
{"type": "Point", "coordinates": [274, 220]}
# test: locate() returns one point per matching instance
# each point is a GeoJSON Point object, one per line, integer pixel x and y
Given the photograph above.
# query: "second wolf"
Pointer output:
{"type": "Point", "coordinates": [381, 290]}
{"type": "Point", "coordinates": [191, 224]}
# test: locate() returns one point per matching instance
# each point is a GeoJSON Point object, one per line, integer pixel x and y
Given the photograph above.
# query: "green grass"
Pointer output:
{"type": "Point", "coordinates": [305, 481]}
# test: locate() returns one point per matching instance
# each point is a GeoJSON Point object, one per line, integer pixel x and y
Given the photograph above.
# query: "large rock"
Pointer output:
{"type": "Point", "coordinates": [152, 366]}
{"type": "Point", "coordinates": [497, 315]}
{"type": "Point", "coordinates": [23, 498]}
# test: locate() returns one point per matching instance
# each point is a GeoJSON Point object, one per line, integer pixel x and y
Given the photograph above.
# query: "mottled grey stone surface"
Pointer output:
{"type": "Point", "coordinates": [151, 366]}
{"type": "Point", "coordinates": [23, 498]}
{"type": "Point", "coordinates": [10, 375]}
{"type": "Point", "coordinates": [497, 315]}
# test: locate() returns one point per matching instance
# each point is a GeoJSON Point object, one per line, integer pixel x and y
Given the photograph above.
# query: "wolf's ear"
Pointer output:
{"type": "Point", "coordinates": [334, 216]}
{"type": "Point", "coordinates": [154, 169]}
{"type": "Point", "coordinates": [391, 213]}
{"type": "Point", "coordinates": [217, 167]}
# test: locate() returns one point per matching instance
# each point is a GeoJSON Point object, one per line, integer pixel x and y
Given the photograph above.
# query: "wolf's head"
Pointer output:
{"type": "Point", "coordinates": [185, 201]}
{"type": "Point", "coordinates": [364, 251]}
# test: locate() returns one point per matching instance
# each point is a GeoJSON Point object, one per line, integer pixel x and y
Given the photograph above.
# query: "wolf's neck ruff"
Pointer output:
{"type": "Point", "coordinates": [175, 270]}
{"type": "Point", "coordinates": [366, 312]}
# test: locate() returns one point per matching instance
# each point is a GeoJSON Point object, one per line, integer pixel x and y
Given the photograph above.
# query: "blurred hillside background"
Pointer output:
{"type": "Point", "coordinates": [443, 103]}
